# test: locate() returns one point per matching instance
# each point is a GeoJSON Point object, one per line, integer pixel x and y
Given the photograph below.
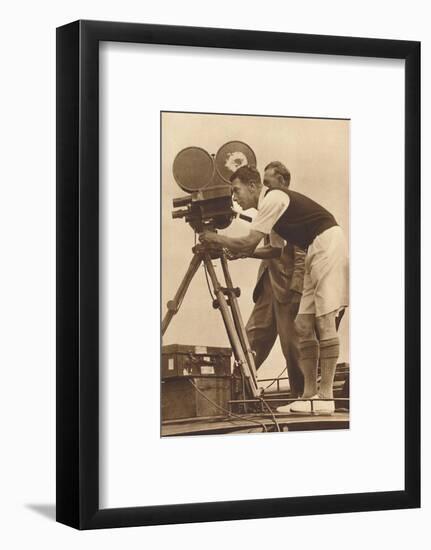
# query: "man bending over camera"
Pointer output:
{"type": "Point", "coordinates": [304, 223]}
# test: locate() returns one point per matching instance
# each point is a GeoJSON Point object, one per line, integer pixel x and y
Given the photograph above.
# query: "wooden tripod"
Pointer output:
{"type": "Point", "coordinates": [227, 303]}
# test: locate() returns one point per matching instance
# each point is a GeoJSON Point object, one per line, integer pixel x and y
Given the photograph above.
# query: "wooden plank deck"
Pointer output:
{"type": "Point", "coordinates": [253, 423]}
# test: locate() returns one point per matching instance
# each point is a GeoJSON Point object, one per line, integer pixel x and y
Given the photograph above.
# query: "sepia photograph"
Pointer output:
{"type": "Point", "coordinates": [255, 284]}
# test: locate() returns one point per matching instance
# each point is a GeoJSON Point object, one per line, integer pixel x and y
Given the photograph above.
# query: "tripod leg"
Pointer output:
{"type": "Point", "coordinates": [237, 317]}
{"type": "Point", "coordinates": [230, 327]}
{"type": "Point", "coordinates": [174, 305]}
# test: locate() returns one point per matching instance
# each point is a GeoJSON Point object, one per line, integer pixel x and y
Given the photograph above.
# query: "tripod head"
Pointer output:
{"type": "Point", "coordinates": [214, 252]}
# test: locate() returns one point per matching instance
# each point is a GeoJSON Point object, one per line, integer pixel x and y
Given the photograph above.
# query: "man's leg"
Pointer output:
{"type": "Point", "coordinates": [330, 274]}
{"type": "Point", "coordinates": [308, 345]}
{"type": "Point", "coordinates": [325, 290]}
{"type": "Point", "coordinates": [309, 356]}
{"type": "Point", "coordinates": [261, 327]}
{"type": "Point", "coordinates": [308, 351]}
{"type": "Point", "coordinates": [329, 351]}
{"type": "Point", "coordinates": [290, 346]}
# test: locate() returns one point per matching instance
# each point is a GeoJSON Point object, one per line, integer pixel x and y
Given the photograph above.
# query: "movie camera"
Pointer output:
{"type": "Point", "coordinates": [206, 179]}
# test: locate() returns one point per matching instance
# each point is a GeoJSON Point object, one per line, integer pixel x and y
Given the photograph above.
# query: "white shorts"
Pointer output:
{"type": "Point", "coordinates": [326, 278]}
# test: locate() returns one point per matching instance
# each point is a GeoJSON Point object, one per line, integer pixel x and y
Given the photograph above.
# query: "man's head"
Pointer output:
{"type": "Point", "coordinates": [276, 176]}
{"type": "Point", "coordinates": [246, 187]}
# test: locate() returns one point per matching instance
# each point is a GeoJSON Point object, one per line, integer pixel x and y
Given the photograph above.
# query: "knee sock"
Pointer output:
{"type": "Point", "coordinates": [309, 355]}
{"type": "Point", "coordinates": [329, 351]}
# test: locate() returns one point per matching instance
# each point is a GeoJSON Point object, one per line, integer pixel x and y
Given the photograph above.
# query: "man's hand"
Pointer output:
{"type": "Point", "coordinates": [210, 238]}
{"type": "Point", "coordinates": [238, 245]}
{"type": "Point", "coordinates": [232, 255]}
{"type": "Point", "coordinates": [294, 301]}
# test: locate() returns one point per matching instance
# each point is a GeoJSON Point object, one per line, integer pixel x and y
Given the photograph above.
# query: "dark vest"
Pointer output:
{"type": "Point", "coordinates": [302, 220]}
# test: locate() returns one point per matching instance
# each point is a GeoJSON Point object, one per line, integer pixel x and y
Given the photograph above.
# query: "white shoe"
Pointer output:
{"type": "Point", "coordinates": [324, 407]}
{"type": "Point", "coordinates": [305, 407]}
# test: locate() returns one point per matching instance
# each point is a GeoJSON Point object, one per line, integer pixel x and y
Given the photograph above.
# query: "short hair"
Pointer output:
{"type": "Point", "coordinates": [247, 174]}
{"type": "Point", "coordinates": [280, 170]}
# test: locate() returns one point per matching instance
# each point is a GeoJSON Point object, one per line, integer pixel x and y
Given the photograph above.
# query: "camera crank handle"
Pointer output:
{"type": "Point", "coordinates": [242, 216]}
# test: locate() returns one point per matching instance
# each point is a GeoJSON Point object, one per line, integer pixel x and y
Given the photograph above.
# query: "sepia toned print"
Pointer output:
{"type": "Point", "coordinates": [254, 244]}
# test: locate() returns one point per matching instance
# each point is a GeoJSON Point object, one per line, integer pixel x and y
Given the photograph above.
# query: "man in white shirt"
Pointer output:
{"type": "Point", "coordinates": [276, 298]}
{"type": "Point", "coordinates": [289, 216]}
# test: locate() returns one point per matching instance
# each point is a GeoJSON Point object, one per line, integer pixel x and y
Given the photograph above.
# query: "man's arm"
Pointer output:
{"type": "Point", "coordinates": [273, 205]}
{"type": "Point", "coordinates": [238, 245]}
{"type": "Point", "coordinates": [261, 253]}
{"type": "Point", "coordinates": [297, 280]}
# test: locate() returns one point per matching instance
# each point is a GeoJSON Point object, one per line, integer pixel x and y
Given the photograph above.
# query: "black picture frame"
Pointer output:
{"type": "Point", "coordinates": [78, 274]}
